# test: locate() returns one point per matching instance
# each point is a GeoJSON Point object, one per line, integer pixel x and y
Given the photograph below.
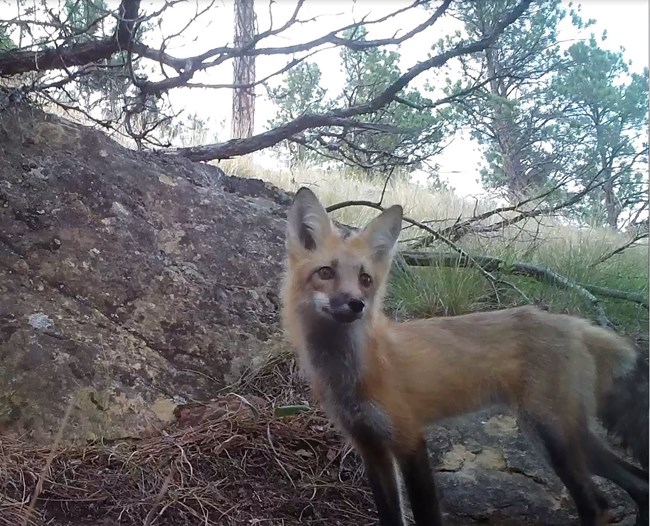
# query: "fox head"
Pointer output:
{"type": "Point", "coordinates": [331, 274]}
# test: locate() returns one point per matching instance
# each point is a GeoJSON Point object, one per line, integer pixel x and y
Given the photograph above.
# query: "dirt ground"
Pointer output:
{"type": "Point", "coordinates": [236, 461]}
{"type": "Point", "coordinates": [224, 463]}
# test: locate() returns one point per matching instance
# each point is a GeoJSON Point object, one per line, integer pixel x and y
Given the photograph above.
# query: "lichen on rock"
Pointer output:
{"type": "Point", "coordinates": [126, 278]}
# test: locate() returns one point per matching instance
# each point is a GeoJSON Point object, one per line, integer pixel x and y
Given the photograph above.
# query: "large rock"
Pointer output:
{"type": "Point", "coordinates": [128, 281]}
{"type": "Point", "coordinates": [490, 473]}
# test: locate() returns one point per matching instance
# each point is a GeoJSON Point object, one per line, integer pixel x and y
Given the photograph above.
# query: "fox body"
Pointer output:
{"type": "Point", "coordinates": [382, 382]}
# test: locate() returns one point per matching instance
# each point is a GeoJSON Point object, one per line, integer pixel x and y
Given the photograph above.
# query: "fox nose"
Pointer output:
{"type": "Point", "coordinates": [356, 305]}
{"type": "Point", "coordinates": [346, 308]}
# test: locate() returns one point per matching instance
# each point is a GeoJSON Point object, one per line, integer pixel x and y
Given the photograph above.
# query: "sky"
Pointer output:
{"type": "Point", "coordinates": [626, 22]}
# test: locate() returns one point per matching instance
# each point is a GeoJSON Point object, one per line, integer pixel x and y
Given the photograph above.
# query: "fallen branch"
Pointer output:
{"type": "Point", "coordinates": [487, 265]}
{"type": "Point", "coordinates": [633, 297]}
{"type": "Point", "coordinates": [460, 251]}
{"type": "Point", "coordinates": [490, 264]}
{"type": "Point", "coordinates": [411, 221]}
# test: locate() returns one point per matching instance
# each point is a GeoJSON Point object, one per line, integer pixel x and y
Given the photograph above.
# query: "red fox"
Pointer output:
{"type": "Point", "coordinates": [383, 382]}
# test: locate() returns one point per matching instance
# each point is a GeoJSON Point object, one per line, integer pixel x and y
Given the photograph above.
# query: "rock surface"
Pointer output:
{"type": "Point", "coordinates": [128, 281]}
{"type": "Point", "coordinates": [489, 473]}
{"type": "Point", "coordinates": [132, 282]}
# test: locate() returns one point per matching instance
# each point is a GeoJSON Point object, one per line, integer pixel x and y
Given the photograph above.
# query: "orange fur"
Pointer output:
{"type": "Point", "coordinates": [384, 381]}
{"type": "Point", "coordinates": [421, 371]}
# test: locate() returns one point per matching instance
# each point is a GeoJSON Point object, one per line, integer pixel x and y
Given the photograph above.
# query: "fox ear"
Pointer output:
{"type": "Point", "coordinates": [307, 221]}
{"type": "Point", "coordinates": [382, 232]}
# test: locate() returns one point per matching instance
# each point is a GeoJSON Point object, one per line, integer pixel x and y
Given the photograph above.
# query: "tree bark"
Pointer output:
{"type": "Point", "coordinates": [612, 208]}
{"type": "Point", "coordinates": [507, 135]}
{"type": "Point", "coordinates": [243, 101]}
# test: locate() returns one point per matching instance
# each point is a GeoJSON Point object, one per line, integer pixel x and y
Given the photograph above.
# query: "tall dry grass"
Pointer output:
{"type": "Point", "coordinates": [552, 242]}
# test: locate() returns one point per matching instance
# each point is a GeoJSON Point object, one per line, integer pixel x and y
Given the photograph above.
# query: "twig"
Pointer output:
{"type": "Point", "coordinates": [159, 497]}
{"type": "Point", "coordinates": [639, 236]}
{"type": "Point", "coordinates": [460, 228]}
{"type": "Point", "coordinates": [422, 226]}
{"type": "Point", "coordinates": [48, 463]}
{"type": "Point", "coordinates": [276, 457]}
{"type": "Point", "coordinates": [383, 190]}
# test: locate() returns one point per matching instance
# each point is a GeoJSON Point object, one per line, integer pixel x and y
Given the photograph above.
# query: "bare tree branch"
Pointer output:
{"type": "Point", "coordinates": [83, 61]}
{"type": "Point", "coordinates": [236, 147]}
{"type": "Point", "coordinates": [460, 251]}
{"type": "Point", "coordinates": [191, 65]}
{"type": "Point", "coordinates": [462, 228]}
{"type": "Point", "coordinates": [14, 62]}
{"type": "Point", "coordinates": [637, 237]}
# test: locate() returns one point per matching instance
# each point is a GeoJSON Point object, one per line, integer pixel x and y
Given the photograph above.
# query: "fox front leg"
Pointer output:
{"type": "Point", "coordinates": [420, 485]}
{"type": "Point", "coordinates": [381, 476]}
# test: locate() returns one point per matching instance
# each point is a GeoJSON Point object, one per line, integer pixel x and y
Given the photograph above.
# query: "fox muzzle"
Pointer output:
{"type": "Point", "coordinates": [346, 309]}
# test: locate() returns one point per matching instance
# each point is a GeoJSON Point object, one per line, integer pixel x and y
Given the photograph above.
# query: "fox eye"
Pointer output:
{"type": "Point", "coordinates": [325, 273]}
{"type": "Point", "coordinates": [365, 280]}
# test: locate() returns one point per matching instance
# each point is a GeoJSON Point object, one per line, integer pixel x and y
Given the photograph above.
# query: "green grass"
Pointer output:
{"type": "Point", "coordinates": [435, 291]}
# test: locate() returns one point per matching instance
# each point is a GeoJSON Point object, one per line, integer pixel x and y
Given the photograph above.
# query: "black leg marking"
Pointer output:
{"type": "Point", "coordinates": [420, 486]}
{"type": "Point", "coordinates": [569, 464]}
{"type": "Point", "coordinates": [642, 517]}
{"type": "Point", "coordinates": [385, 493]}
{"type": "Point", "coordinates": [607, 464]}
{"type": "Point", "coordinates": [378, 463]}
{"type": "Point", "coordinates": [601, 500]}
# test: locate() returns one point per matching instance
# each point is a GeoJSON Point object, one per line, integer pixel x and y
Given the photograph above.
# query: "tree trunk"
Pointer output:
{"type": "Point", "coordinates": [612, 208]}
{"type": "Point", "coordinates": [243, 101]}
{"type": "Point", "coordinates": [507, 136]}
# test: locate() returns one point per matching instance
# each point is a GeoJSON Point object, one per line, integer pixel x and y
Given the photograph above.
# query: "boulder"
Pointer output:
{"type": "Point", "coordinates": [489, 472]}
{"type": "Point", "coordinates": [129, 281]}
